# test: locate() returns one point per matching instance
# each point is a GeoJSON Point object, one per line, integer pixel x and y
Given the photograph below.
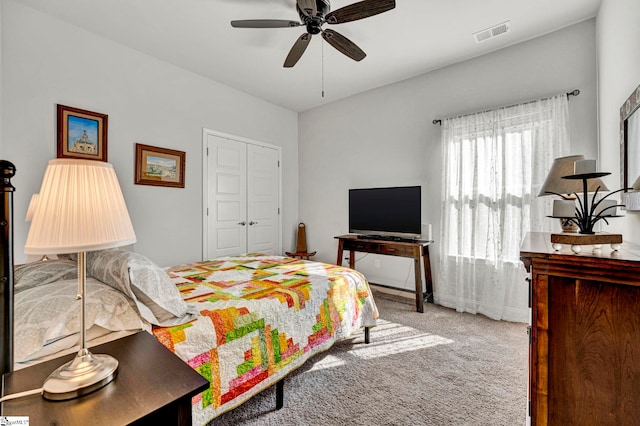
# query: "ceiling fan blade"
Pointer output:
{"type": "Point", "coordinates": [359, 10]}
{"type": "Point", "coordinates": [264, 23]}
{"type": "Point", "coordinates": [308, 7]}
{"type": "Point", "coordinates": [297, 50]}
{"type": "Point", "coordinates": [343, 44]}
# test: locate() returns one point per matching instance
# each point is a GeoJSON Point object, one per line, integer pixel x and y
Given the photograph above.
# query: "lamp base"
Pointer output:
{"type": "Point", "coordinates": [568, 225]}
{"type": "Point", "coordinates": [80, 376]}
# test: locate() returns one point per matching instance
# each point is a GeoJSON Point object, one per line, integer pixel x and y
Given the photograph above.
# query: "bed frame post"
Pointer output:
{"type": "Point", "coordinates": [8, 170]}
{"type": "Point", "coordinates": [280, 394]}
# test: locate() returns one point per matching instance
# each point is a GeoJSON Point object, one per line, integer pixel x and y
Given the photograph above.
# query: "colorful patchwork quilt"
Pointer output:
{"type": "Point", "coordinates": [260, 318]}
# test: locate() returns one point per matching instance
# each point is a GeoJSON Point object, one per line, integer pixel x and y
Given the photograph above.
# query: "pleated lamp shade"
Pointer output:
{"type": "Point", "coordinates": [563, 166]}
{"type": "Point", "coordinates": [80, 208]}
{"type": "Point", "coordinates": [32, 207]}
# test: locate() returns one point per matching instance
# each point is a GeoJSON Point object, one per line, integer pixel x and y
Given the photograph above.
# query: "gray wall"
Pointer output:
{"type": "Point", "coordinates": [379, 138]}
{"type": "Point", "coordinates": [618, 41]}
{"type": "Point", "coordinates": [385, 137]}
{"type": "Point", "coordinates": [47, 62]}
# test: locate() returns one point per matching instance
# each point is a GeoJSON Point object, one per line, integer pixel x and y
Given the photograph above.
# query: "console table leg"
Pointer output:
{"type": "Point", "coordinates": [419, 296]}
{"type": "Point", "coordinates": [340, 248]}
{"type": "Point", "coordinates": [427, 274]}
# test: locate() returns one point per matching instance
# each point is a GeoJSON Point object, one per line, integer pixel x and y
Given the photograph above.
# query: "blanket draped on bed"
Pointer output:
{"type": "Point", "coordinates": [260, 318]}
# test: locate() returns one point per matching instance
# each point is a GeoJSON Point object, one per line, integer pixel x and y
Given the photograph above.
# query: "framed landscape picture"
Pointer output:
{"type": "Point", "coordinates": [159, 166]}
{"type": "Point", "coordinates": [81, 134]}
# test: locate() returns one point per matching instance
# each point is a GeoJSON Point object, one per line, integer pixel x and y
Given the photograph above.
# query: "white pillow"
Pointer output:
{"type": "Point", "coordinates": [155, 295]}
{"type": "Point", "coordinates": [46, 314]}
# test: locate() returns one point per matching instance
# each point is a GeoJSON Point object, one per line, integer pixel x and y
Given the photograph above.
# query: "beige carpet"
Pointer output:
{"type": "Point", "coordinates": [436, 368]}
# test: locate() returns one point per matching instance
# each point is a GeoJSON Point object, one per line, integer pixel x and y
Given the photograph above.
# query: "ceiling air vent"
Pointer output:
{"type": "Point", "coordinates": [492, 32]}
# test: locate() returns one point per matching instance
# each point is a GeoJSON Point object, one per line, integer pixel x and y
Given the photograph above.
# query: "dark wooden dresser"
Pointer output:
{"type": "Point", "coordinates": [584, 364]}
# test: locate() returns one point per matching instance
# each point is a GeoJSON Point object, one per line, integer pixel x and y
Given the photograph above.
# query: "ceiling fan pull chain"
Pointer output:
{"type": "Point", "coordinates": [322, 68]}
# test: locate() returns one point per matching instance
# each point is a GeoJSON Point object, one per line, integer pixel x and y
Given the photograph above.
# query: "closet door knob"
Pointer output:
{"type": "Point", "coordinates": [243, 223]}
{"type": "Point", "coordinates": [253, 223]}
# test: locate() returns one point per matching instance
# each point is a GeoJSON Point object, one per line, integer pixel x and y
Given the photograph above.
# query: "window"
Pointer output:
{"type": "Point", "coordinates": [494, 163]}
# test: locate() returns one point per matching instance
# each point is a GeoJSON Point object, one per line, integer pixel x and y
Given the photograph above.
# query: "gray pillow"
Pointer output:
{"type": "Point", "coordinates": [155, 295]}
{"type": "Point", "coordinates": [38, 273]}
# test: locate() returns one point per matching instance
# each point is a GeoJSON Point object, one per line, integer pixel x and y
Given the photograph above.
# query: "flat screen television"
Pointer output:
{"type": "Point", "coordinates": [386, 212]}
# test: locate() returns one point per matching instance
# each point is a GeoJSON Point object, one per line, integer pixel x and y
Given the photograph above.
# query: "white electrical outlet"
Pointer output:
{"type": "Point", "coordinates": [376, 263]}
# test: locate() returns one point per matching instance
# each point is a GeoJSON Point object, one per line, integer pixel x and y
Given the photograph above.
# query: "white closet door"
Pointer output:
{"type": "Point", "coordinates": [227, 174]}
{"type": "Point", "coordinates": [262, 199]}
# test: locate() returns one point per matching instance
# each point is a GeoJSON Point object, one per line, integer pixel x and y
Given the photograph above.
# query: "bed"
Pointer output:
{"type": "Point", "coordinates": [242, 322]}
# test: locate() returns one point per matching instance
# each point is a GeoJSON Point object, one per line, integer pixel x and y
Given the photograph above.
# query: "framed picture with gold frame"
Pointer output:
{"type": "Point", "coordinates": [81, 134]}
{"type": "Point", "coordinates": [630, 150]}
{"type": "Point", "coordinates": [159, 166]}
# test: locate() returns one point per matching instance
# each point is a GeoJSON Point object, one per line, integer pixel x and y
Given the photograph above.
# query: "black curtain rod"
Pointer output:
{"type": "Point", "coordinates": [574, 92]}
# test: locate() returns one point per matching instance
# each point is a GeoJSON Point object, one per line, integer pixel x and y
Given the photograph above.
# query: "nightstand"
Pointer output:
{"type": "Point", "coordinates": [153, 386]}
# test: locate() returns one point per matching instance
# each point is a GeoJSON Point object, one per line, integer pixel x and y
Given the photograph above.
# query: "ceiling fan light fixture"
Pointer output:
{"type": "Point", "coordinates": [313, 15]}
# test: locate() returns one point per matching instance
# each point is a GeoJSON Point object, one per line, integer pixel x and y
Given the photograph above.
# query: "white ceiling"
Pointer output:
{"type": "Point", "coordinates": [416, 37]}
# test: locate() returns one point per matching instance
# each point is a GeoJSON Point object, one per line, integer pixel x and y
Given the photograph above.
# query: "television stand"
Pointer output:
{"type": "Point", "coordinates": [405, 248]}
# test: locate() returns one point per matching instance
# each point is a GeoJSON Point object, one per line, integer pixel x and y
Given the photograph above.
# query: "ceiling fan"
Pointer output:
{"type": "Point", "coordinates": [314, 14]}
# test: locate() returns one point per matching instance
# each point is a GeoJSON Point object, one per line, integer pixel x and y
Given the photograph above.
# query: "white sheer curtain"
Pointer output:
{"type": "Point", "coordinates": [494, 164]}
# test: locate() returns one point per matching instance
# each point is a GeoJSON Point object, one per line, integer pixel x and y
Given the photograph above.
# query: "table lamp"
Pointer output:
{"type": "Point", "coordinates": [566, 189]}
{"type": "Point", "coordinates": [33, 204]}
{"type": "Point", "coordinates": [32, 207]}
{"type": "Point", "coordinates": [80, 208]}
